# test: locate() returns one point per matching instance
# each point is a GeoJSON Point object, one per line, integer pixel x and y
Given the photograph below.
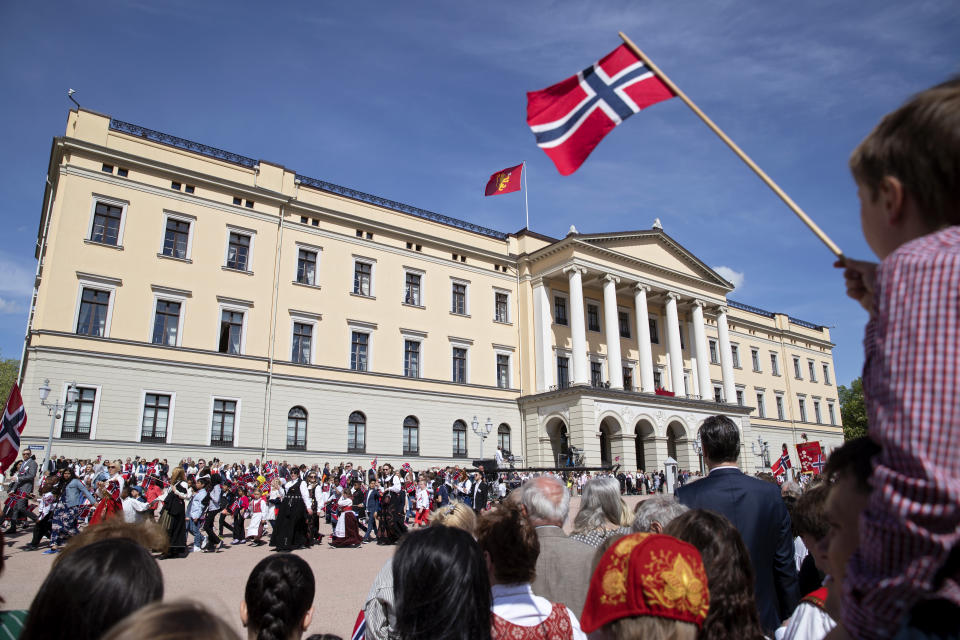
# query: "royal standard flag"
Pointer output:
{"type": "Point", "coordinates": [505, 181]}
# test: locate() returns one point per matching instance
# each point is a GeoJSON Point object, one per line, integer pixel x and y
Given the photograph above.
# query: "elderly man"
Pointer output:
{"type": "Point", "coordinates": [654, 514]}
{"type": "Point", "coordinates": [26, 476]}
{"type": "Point", "coordinates": [564, 566]}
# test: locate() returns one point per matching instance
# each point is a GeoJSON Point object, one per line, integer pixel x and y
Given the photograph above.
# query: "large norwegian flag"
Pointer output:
{"type": "Point", "coordinates": [14, 420]}
{"type": "Point", "coordinates": [570, 118]}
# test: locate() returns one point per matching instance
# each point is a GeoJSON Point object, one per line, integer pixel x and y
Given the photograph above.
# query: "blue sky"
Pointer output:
{"type": "Point", "coordinates": [421, 101]}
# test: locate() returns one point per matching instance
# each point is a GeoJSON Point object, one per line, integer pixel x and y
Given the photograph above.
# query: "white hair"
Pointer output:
{"type": "Point", "coordinates": [661, 509]}
{"type": "Point", "coordinates": [538, 496]}
{"type": "Point", "coordinates": [599, 504]}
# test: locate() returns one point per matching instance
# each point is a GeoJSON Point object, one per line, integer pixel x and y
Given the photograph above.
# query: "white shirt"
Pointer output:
{"type": "Point", "coordinates": [516, 604]}
{"type": "Point", "coordinates": [132, 508]}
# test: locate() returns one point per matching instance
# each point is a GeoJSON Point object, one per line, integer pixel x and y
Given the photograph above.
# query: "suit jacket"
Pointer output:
{"type": "Point", "coordinates": [564, 568]}
{"type": "Point", "coordinates": [26, 475]}
{"type": "Point", "coordinates": [757, 511]}
{"type": "Point", "coordinates": [480, 496]}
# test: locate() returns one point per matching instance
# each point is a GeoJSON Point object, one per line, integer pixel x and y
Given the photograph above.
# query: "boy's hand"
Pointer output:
{"type": "Point", "coordinates": [860, 277]}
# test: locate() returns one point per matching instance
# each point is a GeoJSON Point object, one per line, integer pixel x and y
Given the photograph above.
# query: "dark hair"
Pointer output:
{"type": "Point", "coordinates": [279, 593]}
{"type": "Point", "coordinates": [809, 516]}
{"type": "Point", "coordinates": [512, 543]}
{"type": "Point", "coordinates": [720, 439]}
{"type": "Point", "coordinates": [91, 589]}
{"type": "Point", "coordinates": [180, 620]}
{"type": "Point", "coordinates": [854, 457]}
{"type": "Point", "coordinates": [730, 578]}
{"type": "Point", "coordinates": [441, 588]}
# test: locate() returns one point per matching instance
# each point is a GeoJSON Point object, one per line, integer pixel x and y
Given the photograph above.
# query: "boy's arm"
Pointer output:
{"type": "Point", "coordinates": [860, 277]}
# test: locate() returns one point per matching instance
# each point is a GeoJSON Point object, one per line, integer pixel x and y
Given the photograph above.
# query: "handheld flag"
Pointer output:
{"type": "Point", "coordinates": [782, 464]}
{"type": "Point", "coordinates": [506, 181]}
{"type": "Point", "coordinates": [14, 421]}
{"type": "Point", "coordinates": [570, 118]}
{"type": "Point", "coordinates": [810, 457]}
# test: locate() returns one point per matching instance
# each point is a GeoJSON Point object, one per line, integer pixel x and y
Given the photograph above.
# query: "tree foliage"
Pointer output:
{"type": "Point", "coordinates": [853, 411]}
{"type": "Point", "coordinates": [8, 375]}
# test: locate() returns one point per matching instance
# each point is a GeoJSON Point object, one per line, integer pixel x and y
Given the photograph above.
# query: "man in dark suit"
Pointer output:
{"type": "Point", "coordinates": [26, 476]}
{"type": "Point", "coordinates": [757, 511]}
{"type": "Point", "coordinates": [479, 493]}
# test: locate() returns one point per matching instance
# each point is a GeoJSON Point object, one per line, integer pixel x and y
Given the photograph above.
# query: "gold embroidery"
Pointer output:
{"type": "Point", "coordinates": [672, 583]}
{"type": "Point", "coordinates": [614, 581]}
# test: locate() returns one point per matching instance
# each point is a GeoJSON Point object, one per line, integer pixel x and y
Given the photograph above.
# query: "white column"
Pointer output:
{"type": "Point", "coordinates": [578, 334]}
{"type": "Point", "coordinates": [673, 345]}
{"type": "Point", "coordinates": [703, 357]}
{"type": "Point", "coordinates": [611, 325]}
{"type": "Point", "coordinates": [542, 343]}
{"type": "Point", "coordinates": [643, 337]}
{"type": "Point", "coordinates": [726, 357]}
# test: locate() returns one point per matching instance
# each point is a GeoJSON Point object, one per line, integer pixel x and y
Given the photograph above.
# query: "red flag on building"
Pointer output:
{"type": "Point", "coordinates": [505, 181]}
{"type": "Point", "coordinates": [570, 118]}
{"type": "Point", "coordinates": [811, 457]}
{"type": "Point", "coordinates": [14, 421]}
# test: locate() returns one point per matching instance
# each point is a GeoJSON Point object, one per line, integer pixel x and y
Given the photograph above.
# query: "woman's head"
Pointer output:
{"type": "Point", "coordinates": [92, 588]}
{"type": "Point", "coordinates": [180, 620]}
{"type": "Point", "coordinates": [440, 585]}
{"type": "Point", "coordinates": [278, 599]}
{"type": "Point", "coordinates": [600, 504]}
{"type": "Point", "coordinates": [67, 474]}
{"type": "Point", "coordinates": [455, 514]}
{"type": "Point", "coordinates": [510, 545]}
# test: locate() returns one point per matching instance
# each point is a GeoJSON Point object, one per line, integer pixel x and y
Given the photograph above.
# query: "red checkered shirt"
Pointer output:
{"type": "Point", "coordinates": [911, 385]}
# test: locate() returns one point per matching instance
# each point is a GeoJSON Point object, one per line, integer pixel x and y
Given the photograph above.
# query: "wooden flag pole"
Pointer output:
{"type": "Point", "coordinates": [737, 150]}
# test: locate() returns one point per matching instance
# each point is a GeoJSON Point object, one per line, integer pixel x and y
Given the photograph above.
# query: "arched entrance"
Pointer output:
{"type": "Point", "coordinates": [679, 446]}
{"type": "Point", "coordinates": [645, 441]}
{"type": "Point", "coordinates": [559, 441]}
{"type": "Point", "coordinates": [674, 433]}
{"type": "Point", "coordinates": [611, 442]}
{"type": "Point", "coordinates": [605, 457]}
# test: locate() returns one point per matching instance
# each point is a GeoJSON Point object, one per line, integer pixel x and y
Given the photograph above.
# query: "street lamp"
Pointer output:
{"type": "Point", "coordinates": [761, 449]}
{"type": "Point", "coordinates": [53, 410]}
{"type": "Point", "coordinates": [483, 431]}
{"type": "Point", "coordinates": [698, 449]}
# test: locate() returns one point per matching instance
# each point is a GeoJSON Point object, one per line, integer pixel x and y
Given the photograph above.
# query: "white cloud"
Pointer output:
{"type": "Point", "coordinates": [10, 306]}
{"type": "Point", "coordinates": [16, 278]}
{"type": "Point", "coordinates": [735, 277]}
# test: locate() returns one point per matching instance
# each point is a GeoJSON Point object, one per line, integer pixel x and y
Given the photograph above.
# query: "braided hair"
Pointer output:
{"type": "Point", "coordinates": [278, 595]}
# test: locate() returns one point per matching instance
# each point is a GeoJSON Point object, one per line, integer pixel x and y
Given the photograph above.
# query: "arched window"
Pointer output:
{"type": "Point", "coordinates": [503, 437]}
{"type": "Point", "coordinates": [459, 439]}
{"type": "Point", "coordinates": [411, 436]}
{"type": "Point", "coordinates": [357, 433]}
{"type": "Point", "coordinates": [297, 428]}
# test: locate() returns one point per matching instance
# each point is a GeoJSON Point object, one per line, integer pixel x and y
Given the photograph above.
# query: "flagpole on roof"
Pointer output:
{"type": "Point", "coordinates": [733, 146]}
{"type": "Point", "coordinates": [526, 205]}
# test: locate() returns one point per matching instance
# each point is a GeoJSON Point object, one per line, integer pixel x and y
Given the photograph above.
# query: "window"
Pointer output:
{"type": "Point", "coordinates": [755, 357]}
{"type": "Point", "coordinates": [307, 267]}
{"type": "Point", "coordinates": [302, 339]}
{"type": "Point", "coordinates": [175, 186]}
{"type": "Point", "coordinates": [735, 353]}
{"type": "Point", "coordinates": [107, 220]}
{"type": "Point", "coordinates": [563, 372]}
{"type": "Point", "coordinates": [459, 302]}
{"type": "Point", "coordinates": [459, 365]}
{"type": "Point", "coordinates": [812, 369]}
{"type": "Point", "coordinates": [624, 319]}
{"type": "Point", "coordinates": [359, 346]}
{"type": "Point", "coordinates": [596, 373]}
{"type": "Point", "coordinates": [176, 238]}
{"type": "Point", "coordinates": [713, 352]}
{"type": "Point", "coordinates": [654, 334]}
{"type": "Point", "coordinates": [107, 168]}
{"type": "Point", "coordinates": [761, 409]}
{"type": "Point", "coordinates": [717, 393]}
{"type": "Point", "coordinates": [231, 332]}
{"type": "Point", "coordinates": [683, 342]}
{"type": "Point", "coordinates": [411, 436]}
{"type": "Point", "coordinates": [297, 429]}
{"type": "Point", "coordinates": [658, 378]}
{"type": "Point", "coordinates": [740, 397]}
{"type": "Point", "coordinates": [503, 437]}
{"type": "Point", "coordinates": [779, 399]}
{"type": "Point", "coordinates": [593, 317]}
{"type": "Point", "coordinates": [238, 251]}
{"type": "Point", "coordinates": [357, 433]}
{"type": "Point", "coordinates": [686, 383]}
{"type": "Point", "coordinates": [78, 417]}
{"type": "Point", "coordinates": [123, 173]}
{"type": "Point", "coordinates": [774, 364]}
{"type": "Point", "coordinates": [560, 310]}
{"type": "Point", "coordinates": [826, 373]}
{"type": "Point", "coordinates": [411, 292]}
{"type": "Point", "coordinates": [94, 306]}
{"type": "Point", "coordinates": [803, 409]}
{"type": "Point", "coordinates": [796, 369]}
{"type": "Point", "coordinates": [224, 422]}
{"type": "Point", "coordinates": [189, 188]}
{"type": "Point", "coordinates": [816, 412]}
{"type": "Point", "coordinates": [166, 323]}
{"type": "Point", "coordinates": [628, 378]}
{"type": "Point", "coordinates": [830, 411]}
{"type": "Point", "coordinates": [411, 358]}
{"type": "Point", "coordinates": [459, 439]}
{"type": "Point", "coordinates": [501, 307]}
{"type": "Point", "coordinates": [362, 278]}
{"type": "Point", "coordinates": [156, 411]}
{"type": "Point", "coordinates": [503, 370]}
{"type": "Point", "coordinates": [237, 201]}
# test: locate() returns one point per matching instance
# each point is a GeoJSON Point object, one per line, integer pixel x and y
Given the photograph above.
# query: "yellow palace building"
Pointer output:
{"type": "Point", "coordinates": [210, 304]}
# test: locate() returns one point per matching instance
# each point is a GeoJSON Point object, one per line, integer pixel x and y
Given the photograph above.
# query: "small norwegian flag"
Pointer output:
{"type": "Point", "coordinates": [359, 627]}
{"type": "Point", "coordinates": [14, 421]}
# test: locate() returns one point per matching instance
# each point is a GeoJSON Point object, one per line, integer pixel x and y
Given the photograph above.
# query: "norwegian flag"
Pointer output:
{"type": "Point", "coordinates": [810, 452]}
{"type": "Point", "coordinates": [782, 464]}
{"type": "Point", "coordinates": [570, 118]}
{"type": "Point", "coordinates": [14, 421]}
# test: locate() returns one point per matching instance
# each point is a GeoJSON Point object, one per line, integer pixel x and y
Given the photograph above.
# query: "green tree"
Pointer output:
{"type": "Point", "coordinates": [8, 375]}
{"type": "Point", "coordinates": [853, 411]}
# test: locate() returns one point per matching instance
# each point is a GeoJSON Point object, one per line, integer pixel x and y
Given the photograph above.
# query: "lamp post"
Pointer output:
{"type": "Point", "coordinates": [53, 410]}
{"type": "Point", "coordinates": [761, 449]}
{"type": "Point", "coordinates": [698, 449]}
{"type": "Point", "coordinates": [481, 431]}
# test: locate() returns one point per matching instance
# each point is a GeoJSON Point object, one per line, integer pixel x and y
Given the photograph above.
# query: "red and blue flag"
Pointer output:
{"type": "Point", "coordinates": [14, 421]}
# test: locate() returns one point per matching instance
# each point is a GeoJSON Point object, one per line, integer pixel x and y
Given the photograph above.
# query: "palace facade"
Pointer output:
{"type": "Point", "coordinates": [210, 304]}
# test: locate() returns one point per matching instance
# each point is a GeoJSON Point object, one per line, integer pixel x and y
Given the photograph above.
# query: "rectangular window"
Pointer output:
{"type": "Point", "coordinates": [307, 267]}
{"type": "Point", "coordinates": [459, 299]}
{"type": "Point", "coordinates": [106, 223]}
{"type": "Point", "coordinates": [812, 370]}
{"type": "Point", "coordinates": [628, 378]}
{"type": "Point", "coordinates": [774, 364]}
{"type": "Point", "coordinates": [176, 238]}
{"type": "Point", "coordinates": [717, 393]}
{"type": "Point", "coordinates": [779, 406]}
{"type": "Point", "coordinates": [222, 427]}
{"type": "Point", "coordinates": [459, 442]}
{"type": "Point", "coordinates": [166, 323]}
{"type": "Point", "coordinates": [563, 372]}
{"type": "Point", "coordinates": [796, 369]}
{"type": "Point", "coordinates": [501, 307]}
{"type": "Point", "coordinates": [359, 345]}
{"type": "Point", "coordinates": [560, 310]}
{"type": "Point", "coordinates": [503, 371]}
{"type": "Point", "coordinates": [78, 417]}
{"type": "Point", "coordinates": [459, 365]}
{"type": "Point", "coordinates": [654, 334]}
{"type": "Point", "coordinates": [411, 439]}
{"type": "Point", "coordinates": [156, 409]}
{"type": "Point", "coordinates": [596, 373]}
{"type": "Point", "coordinates": [231, 332]}
{"type": "Point", "coordinates": [683, 343]}
{"type": "Point", "coordinates": [761, 409]}
{"type": "Point", "coordinates": [755, 357]}
{"type": "Point", "coordinates": [238, 251]}
{"type": "Point", "coordinates": [411, 292]}
{"type": "Point", "coordinates": [356, 434]}
{"type": "Point", "coordinates": [624, 319]}
{"type": "Point", "coordinates": [803, 409]}
{"type": "Point", "coordinates": [658, 379]}
{"type": "Point", "coordinates": [735, 353]}
{"type": "Point", "coordinates": [411, 358]}
{"type": "Point", "coordinates": [362, 278]}
{"type": "Point", "coordinates": [816, 412]}
{"type": "Point", "coordinates": [686, 383]}
{"type": "Point", "coordinates": [302, 337]}
{"type": "Point", "coordinates": [830, 411]}
{"type": "Point", "coordinates": [740, 397]}
{"type": "Point", "coordinates": [713, 352]}
{"type": "Point", "coordinates": [593, 317]}
{"type": "Point", "coordinates": [94, 305]}
{"type": "Point", "coordinates": [826, 373]}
